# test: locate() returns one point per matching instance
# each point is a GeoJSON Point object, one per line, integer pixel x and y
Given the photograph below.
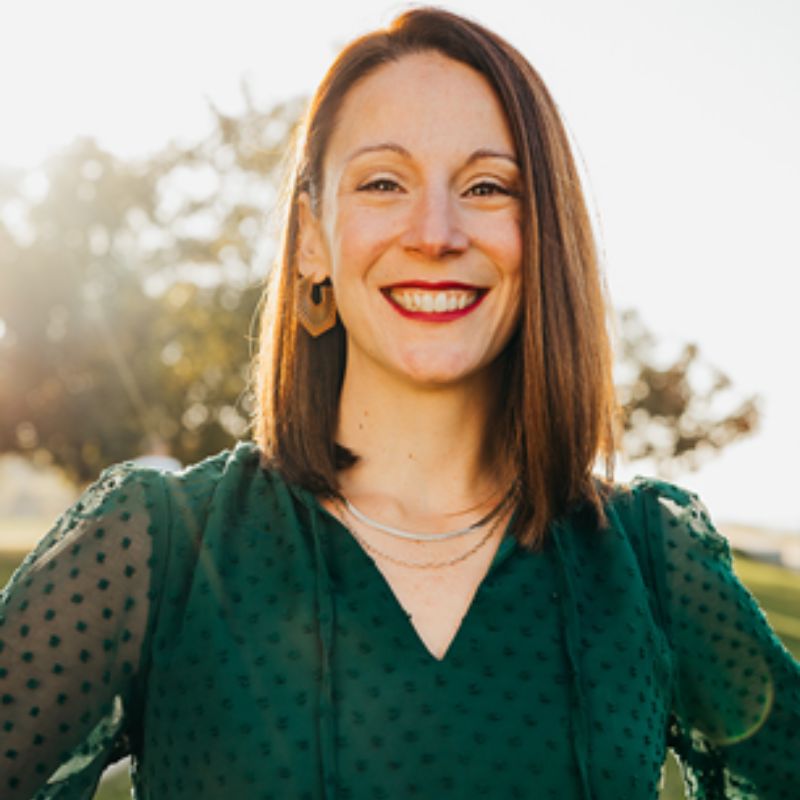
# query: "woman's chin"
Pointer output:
{"type": "Point", "coordinates": [436, 373]}
{"type": "Point", "coordinates": [414, 364]}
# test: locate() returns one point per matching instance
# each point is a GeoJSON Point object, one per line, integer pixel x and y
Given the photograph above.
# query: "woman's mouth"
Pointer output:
{"type": "Point", "coordinates": [434, 302]}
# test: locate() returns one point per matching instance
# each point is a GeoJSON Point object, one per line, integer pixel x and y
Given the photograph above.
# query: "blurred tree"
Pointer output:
{"type": "Point", "coordinates": [69, 266]}
{"type": "Point", "coordinates": [128, 292]}
{"type": "Point", "coordinates": [676, 411]}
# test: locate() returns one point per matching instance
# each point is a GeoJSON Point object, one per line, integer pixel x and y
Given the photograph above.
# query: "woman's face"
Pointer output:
{"type": "Point", "coordinates": [419, 228]}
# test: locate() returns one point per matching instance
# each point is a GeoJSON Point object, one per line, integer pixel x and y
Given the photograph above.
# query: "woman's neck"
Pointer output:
{"type": "Point", "coordinates": [422, 452]}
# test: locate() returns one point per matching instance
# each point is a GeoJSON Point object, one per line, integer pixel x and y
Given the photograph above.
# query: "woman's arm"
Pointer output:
{"type": "Point", "coordinates": [73, 621]}
{"type": "Point", "coordinates": [736, 712]}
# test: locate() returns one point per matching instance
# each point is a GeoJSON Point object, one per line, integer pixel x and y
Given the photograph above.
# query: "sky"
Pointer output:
{"type": "Point", "coordinates": [685, 117]}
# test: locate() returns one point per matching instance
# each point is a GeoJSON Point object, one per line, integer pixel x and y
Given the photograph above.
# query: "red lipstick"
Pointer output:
{"type": "Point", "coordinates": [435, 316]}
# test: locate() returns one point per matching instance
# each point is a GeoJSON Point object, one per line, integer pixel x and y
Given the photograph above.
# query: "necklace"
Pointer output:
{"type": "Point", "coordinates": [426, 564]}
{"type": "Point", "coordinates": [424, 537]}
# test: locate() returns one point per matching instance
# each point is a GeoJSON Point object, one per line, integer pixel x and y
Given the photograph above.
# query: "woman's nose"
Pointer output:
{"type": "Point", "coordinates": [434, 227]}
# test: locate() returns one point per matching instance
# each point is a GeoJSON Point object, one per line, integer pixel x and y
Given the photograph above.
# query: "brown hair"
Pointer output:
{"type": "Point", "coordinates": [559, 409]}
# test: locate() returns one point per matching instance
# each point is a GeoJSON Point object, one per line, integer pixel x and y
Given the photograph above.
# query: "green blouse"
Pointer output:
{"type": "Point", "coordinates": [231, 635]}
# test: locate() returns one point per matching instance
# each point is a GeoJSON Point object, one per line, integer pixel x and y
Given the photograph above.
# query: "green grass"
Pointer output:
{"type": "Point", "coordinates": [777, 590]}
{"type": "Point", "coordinates": [8, 563]}
{"type": "Point", "coordinates": [115, 786]}
{"type": "Point", "coordinates": [673, 783]}
{"type": "Point", "coordinates": [18, 532]}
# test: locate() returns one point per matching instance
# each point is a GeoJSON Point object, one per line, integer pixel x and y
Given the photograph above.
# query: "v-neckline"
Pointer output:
{"type": "Point", "coordinates": [502, 550]}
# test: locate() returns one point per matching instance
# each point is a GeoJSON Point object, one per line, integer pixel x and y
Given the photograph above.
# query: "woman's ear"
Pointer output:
{"type": "Point", "coordinates": [312, 254]}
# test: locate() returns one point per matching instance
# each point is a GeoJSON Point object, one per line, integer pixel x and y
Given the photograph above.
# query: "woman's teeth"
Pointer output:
{"type": "Point", "coordinates": [433, 301]}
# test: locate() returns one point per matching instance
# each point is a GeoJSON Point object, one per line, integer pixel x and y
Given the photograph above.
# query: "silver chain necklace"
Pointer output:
{"type": "Point", "coordinates": [428, 564]}
{"type": "Point", "coordinates": [424, 537]}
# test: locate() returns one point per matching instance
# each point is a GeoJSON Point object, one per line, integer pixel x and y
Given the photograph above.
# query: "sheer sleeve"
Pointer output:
{"type": "Point", "coordinates": [73, 621]}
{"type": "Point", "coordinates": [736, 710]}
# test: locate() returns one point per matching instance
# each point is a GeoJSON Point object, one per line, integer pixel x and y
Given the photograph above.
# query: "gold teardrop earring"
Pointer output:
{"type": "Point", "coordinates": [315, 317]}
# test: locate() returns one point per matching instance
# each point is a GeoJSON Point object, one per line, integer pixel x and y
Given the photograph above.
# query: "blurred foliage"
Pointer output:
{"type": "Point", "coordinates": [128, 292]}
{"type": "Point", "coordinates": [677, 411]}
{"type": "Point", "coordinates": [127, 301]}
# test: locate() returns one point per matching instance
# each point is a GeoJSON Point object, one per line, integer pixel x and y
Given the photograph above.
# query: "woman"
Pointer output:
{"type": "Point", "coordinates": [410, 584]}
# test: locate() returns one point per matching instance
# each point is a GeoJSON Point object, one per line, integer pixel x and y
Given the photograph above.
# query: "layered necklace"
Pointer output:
{"type": "Point", "coordinates": [494, 516]}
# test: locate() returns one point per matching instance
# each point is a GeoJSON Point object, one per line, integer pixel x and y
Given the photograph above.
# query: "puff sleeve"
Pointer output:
{"type": "Point", "coordinates": [73, 625]}
{"type": "Point", "coordinates": [736, 696]}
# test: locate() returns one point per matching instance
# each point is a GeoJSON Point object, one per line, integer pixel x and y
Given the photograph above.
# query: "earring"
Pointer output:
{"type": "Point", "coordinates": [315, 317]}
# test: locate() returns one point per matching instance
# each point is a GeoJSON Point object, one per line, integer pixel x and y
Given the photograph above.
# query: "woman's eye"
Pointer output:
{"type": "Point", "coordinates": [488, 188]}
{"type": "Point", "coordinates": [379, 185]}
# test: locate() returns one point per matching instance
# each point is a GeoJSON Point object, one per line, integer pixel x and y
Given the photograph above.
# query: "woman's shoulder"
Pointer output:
{"type": "Point", "coordinates": [174, 495]}
{"type": "Point", "coordinates": [665, 523]}
{"type": "Point", "coordinates": [644, 488]}
{"type": "Point", "coordinates": [661, 504]}
{"type": "Point", "coordinates": [204, 513]}
{"type": "Point", "coordinates": [231, 463]}
{"type": "Point", "coordinates": [218, 472]}
{"type": "Point", "coordinates": [648, 495]}
{"type": "Point", "coordinates": [207, 474]}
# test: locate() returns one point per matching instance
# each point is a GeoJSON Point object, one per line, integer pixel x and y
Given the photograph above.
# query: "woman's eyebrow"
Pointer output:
{"type": "Point", "coordinates": [477, 155]}
{"type": "Point", "coordinates": [483, 152]}
{"type": "Point", "coordinates": [371, 148]}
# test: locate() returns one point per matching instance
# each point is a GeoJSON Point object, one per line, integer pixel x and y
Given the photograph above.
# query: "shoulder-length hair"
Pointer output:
{"type": "Point", "coordinates": [557, 414]}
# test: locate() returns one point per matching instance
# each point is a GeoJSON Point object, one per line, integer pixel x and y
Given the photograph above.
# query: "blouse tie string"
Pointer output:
{"type": "Point", "coordinates": [563, 555]}
{"type": "Point", "coordinates": [325, 622]}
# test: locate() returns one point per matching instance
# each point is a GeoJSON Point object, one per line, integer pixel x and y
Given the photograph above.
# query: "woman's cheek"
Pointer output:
{"type": "Point", "coordinates": [363, 239]}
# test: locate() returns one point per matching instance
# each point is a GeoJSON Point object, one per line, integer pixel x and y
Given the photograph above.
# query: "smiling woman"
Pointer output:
{"type": "Point", "coordinates": [435, 160]}
{"type": "Point", "coordinates": [411, 583]}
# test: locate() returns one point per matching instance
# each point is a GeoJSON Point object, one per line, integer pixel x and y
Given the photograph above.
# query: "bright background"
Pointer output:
{"type": "Point", "coordinates": [686, 116]}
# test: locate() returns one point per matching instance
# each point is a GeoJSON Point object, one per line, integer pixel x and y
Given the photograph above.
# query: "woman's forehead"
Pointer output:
{"type": "Point", "coordinates": [420, 102]}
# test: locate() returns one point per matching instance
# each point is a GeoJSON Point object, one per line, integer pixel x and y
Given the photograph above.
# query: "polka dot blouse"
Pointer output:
{"type": "Point", "coordinates": [222, 628]}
